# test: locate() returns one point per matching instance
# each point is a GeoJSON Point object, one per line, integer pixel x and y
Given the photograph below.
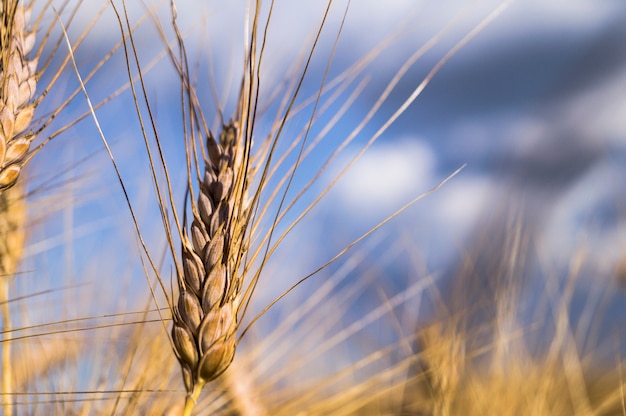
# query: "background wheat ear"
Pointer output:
{"type": "Point", "coordinates": [443, 359]}
{"type": "Point", "coordinates": [17, 89]}
{"type": "Point", "coordinates": [18, 82]}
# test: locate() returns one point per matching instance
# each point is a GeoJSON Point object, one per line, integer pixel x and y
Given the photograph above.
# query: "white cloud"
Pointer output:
{"type": "Point", "coordinates": [386, 177]}
{"type": "Point", "coordinates": [460, 203]}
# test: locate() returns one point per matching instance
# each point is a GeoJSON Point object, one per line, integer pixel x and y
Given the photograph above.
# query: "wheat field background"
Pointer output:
{"type": "Point", "coordinates": [429, 221]}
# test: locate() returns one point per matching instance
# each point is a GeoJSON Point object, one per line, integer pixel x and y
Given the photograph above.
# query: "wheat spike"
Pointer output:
{"type": "Point", "coordinates": [17, 90]}
{"type": "Point", "coordinates": [205, 319]}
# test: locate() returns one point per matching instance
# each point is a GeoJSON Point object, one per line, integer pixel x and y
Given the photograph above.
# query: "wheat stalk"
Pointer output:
{"type": "Point", "coordinates": [16, 113]}
{"type": "Point", "coordinates": [12, 236]}
{"type": "Point", "coordinates": [17, 90]}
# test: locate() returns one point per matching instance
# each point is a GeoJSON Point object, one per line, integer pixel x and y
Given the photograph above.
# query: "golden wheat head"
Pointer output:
{"type": "Point", "coordinates": [205, 319]}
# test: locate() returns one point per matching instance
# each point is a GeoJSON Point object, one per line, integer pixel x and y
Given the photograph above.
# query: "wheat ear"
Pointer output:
{"type": "Point", "coordinates": [205, 318]}
{"type": "Point", "coordinates": [17, 90]}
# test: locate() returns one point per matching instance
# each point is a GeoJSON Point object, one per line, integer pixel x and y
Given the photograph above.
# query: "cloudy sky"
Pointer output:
{"type": "Point", "coordinates": [533, 106]}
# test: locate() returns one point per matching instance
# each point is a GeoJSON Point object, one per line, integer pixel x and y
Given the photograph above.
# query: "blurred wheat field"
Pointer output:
{"type": "Point", "coordinates": [266, 129]}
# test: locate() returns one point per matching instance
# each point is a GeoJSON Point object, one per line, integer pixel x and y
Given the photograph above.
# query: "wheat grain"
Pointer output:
{"type": "Point", "coordinates": [17, 90]}
{"type": "Point", "coordinates": [205, 319]}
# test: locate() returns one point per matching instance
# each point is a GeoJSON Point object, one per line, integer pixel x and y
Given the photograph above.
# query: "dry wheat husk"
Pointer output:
{"type": "Point", "coordinates": [18, 78]}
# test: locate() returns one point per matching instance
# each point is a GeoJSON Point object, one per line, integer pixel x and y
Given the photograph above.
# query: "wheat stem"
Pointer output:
{"type": "Point", "coordinates": [192, 399]}
{"type": "Point", "coordinates": [7, 373]}
{"type": "Point", "coordinates": [12, 221]}
{"type": "Point", "coordinates": [17, 88]}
